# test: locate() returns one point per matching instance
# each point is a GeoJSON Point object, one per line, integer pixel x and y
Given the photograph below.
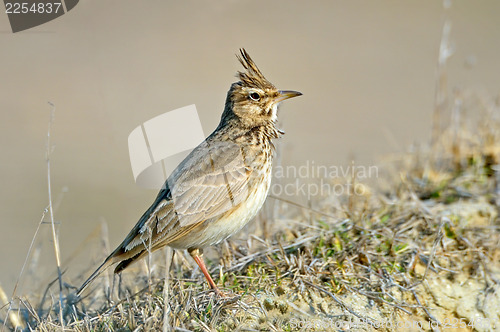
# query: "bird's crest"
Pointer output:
{"type": "Point", "coordinates": [253, 76]}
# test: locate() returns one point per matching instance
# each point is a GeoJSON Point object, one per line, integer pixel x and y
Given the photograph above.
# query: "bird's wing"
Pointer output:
{"type": "Point", "coordinates": [212, 185]}
{"type": "Point", "coordinates": [209, 182]}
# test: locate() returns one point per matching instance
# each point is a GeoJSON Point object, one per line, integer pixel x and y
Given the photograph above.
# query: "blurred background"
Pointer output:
{"type": "Point", "coordinates": [367, 70]}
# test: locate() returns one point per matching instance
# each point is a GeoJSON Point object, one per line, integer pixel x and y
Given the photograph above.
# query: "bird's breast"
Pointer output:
{"type": "Point", "coordinates": [235, 219]}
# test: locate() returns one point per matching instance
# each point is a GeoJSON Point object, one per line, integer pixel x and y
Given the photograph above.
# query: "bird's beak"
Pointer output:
{"type": "Point", "coordinates": [286, 94]}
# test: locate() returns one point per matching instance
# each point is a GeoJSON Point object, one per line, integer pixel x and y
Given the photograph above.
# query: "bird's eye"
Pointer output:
{"type": "Point", "coordinates": [255, 96]}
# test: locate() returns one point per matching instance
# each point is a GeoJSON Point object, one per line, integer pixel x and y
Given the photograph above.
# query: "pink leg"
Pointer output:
{"type": "Point", "coordinates": [196, 254]}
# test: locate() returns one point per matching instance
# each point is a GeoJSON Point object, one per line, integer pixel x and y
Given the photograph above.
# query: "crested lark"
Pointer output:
{"type": "Point", "coordinates": [222, 183]}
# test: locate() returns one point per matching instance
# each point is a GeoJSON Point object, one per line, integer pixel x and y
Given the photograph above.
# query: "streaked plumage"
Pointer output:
{"type": "Point", "coordinates": [220, 186]}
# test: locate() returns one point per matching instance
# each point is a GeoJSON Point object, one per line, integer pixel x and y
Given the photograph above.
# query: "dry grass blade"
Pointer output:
{"type": "Point", "coordinates": [336, 299]}
{"type": "Point", "coordinates": [55, 238]}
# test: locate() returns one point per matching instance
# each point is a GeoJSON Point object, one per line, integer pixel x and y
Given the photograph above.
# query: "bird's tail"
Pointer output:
{"type": "Point", "coordinates": [94, 275]}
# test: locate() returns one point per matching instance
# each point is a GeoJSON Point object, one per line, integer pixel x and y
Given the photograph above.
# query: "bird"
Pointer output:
{"type": "Point", "coordinates": [220, 186]}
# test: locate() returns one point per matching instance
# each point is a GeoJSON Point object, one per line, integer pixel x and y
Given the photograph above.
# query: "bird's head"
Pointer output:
{"type": "Point", "coordinates": [254, 100]}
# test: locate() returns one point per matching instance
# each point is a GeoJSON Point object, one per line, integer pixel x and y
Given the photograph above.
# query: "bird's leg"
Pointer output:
{"type": "Point", "coordinates": [197, 256]}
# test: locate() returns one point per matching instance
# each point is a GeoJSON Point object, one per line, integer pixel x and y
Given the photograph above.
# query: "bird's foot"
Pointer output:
{"type": "Point", "coordinates": [227, 297]}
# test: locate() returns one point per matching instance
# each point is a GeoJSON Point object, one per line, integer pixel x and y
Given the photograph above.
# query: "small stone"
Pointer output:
{"type": "Point", "coordinates": [269, 304]}
{"type": "Point", "coordinates": [280, 291]}
{"type": "Point", "coordinates": [282, 306]}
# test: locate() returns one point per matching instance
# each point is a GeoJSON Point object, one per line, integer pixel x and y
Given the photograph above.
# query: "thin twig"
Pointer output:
{"type": "Point", "coordinates": [24, 264]}
{"type": "Point", "coordinates": [423, 307]}
{"type": "Point", "coordinates": [51, 213]}
{"type": "Point", "coordinates": [11, 314]}
{"type": "Point", "coordinates": [378, 298]}
{"type": "Point", "coordinates": [166, 309]}
{"type": "Point", "coordinates": [445, 52]}
{"type": "Point", "coordinates": [439, 235]}
{"type": "Point", "coordinates": [336, 299]}
{"type": "Point", "coordinates": [247, 259]}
